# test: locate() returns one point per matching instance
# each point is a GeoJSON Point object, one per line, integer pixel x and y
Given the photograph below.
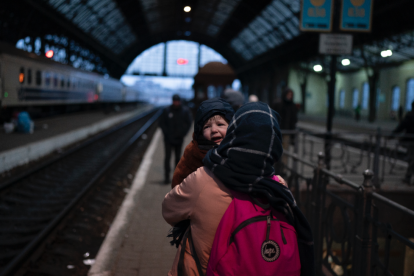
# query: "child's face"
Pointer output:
{"type": "Point", "coordinates": [215, 129]}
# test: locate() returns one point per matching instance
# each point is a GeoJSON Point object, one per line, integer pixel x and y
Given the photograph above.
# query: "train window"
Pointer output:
{"type": "Point", "coordinates": [47, 78]}
{"type": "Point", "coordinates": [68, 83]}
{"type": "Point", "coordinates": [55, 80]}
{"type": "Point", "coordinates": [38, 77]}
{"type": "Point", "coordinates": [395, 103]}
{"type": "Point", "coordinates": [29, 76]}
{"type": "Point", "coordinates": [21, 75]}
{"type": "Point", "coordinates": [342, 98]}
{"type": "Point", "coordinates": [410, 94]}
{"type": "Point", "coordinates": [365, 95]}
{"type": "Point", "coordinates": [62, 82]}
{"type": "Point", "coordinates": [355, 98]}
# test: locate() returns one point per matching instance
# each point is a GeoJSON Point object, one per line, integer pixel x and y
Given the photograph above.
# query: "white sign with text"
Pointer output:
{"type": "Point", "coordinates": [335, 44]}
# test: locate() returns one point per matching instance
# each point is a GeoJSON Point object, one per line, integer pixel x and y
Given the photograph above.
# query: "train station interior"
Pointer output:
{"type": "Point", "coordinates": [87, 89]}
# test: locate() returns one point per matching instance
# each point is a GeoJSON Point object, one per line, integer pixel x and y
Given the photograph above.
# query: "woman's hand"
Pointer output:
{"type": "Point", "coordinates": [282, 181]}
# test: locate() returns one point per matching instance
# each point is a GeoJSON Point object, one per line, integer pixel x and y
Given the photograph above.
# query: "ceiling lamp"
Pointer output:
{"type": "Point", "coordinates": [187, 8]}
{"type": "Point", "coordinates": [317, 68]}
{"type": "Point", "coordinates": [345, 62]}
{"type": "Point", "coordinates": [386, 53]}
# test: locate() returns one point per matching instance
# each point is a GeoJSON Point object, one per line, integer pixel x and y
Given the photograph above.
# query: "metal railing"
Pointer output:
{"type": "Point", "coordinates": [352, 232]}
{"type": "Point", "coordinates": [351, 153]}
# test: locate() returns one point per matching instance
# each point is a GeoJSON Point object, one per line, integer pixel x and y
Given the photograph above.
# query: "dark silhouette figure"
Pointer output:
{"type": "Point", "coordinates": [400, 113]}
{"type": "Point", "coordinates": [358, 113]}
{"type": "Point", "coordinates": [175, 122]}
{"type": "Point", "coordinates": [288, 118]}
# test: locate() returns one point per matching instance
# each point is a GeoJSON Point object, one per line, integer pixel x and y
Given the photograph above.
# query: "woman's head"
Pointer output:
{"type": "Point", "coordinates": [253, 140]}
{"type": "Point", "coordinates": [207, 113]}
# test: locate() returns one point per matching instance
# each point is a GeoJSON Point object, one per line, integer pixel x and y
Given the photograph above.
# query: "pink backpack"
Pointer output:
{"type": "Point", "coordinates": [252, 239]}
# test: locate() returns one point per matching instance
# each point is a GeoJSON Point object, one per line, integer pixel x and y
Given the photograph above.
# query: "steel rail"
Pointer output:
{"type": "Point", "coordinates": [12, 266]}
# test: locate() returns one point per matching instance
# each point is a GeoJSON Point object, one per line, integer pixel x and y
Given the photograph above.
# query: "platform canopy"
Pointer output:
{"type": "Point", "coordinates": [246, 32]}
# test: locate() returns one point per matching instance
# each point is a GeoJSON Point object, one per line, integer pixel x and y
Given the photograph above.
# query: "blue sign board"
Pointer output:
{"type": "Point", "coordinates": [356, 15]}
{"type": "Point", "coordinates": [316, 15]}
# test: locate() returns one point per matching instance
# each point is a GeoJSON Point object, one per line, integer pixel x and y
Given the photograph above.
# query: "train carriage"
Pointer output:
{"type": "Point", "coordinates": [29, 80]}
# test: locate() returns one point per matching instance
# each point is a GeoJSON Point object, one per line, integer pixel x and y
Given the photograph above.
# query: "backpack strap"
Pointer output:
{"type": "Point", "coordinates": [180, 267]}
{"type": "Point", "coordinates": [196, 259]}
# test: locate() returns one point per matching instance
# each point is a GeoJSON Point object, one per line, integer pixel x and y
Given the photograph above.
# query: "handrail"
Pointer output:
{"type": "Point", "coordinates": [393, 204]}
{"type": "Point", "coordinates": [360, 237]}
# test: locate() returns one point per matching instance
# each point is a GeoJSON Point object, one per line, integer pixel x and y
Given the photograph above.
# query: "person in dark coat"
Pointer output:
{"type": "Point", "coordinates": [234, 98]}
{"type": "Point", "coordinates": [175, 122]}
{"type": "Point", "coordinates": [407, 125]}
{"type": "Point", "coordinates": [289, 117]}
{"type": "Point", "coordinates": [400, 113]}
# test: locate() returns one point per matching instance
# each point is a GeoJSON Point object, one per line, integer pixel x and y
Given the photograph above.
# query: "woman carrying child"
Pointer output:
{"type": "Point", "coordinates": [243, 163]}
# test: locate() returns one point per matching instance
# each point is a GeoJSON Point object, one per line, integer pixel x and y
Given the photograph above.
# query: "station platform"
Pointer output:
{"type": "Point", "coordinates": [344, 124]}
{"type": "Point", "coordinates": [55, 133]}
{"type": "Point", "coordinates": [137, 242]}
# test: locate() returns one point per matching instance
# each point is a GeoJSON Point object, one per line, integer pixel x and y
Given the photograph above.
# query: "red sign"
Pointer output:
{"type": "Point", "coordinates": [49, 54]}
{"type": "Point", "coordinates": [182, 61]}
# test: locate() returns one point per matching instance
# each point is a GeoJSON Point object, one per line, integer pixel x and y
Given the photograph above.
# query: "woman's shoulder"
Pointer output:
{"type": "Point", "coordinates": [205, 177]}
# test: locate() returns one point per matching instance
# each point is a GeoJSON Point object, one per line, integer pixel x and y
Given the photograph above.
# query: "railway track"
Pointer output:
{"type": "Point", "coordinates": [34, 203]}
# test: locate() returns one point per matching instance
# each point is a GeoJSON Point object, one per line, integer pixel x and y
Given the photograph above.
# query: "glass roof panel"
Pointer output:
{"type": "Point", "coordinates": [221, 14]}
{"type": "Point", "coordinates": [294, 5]}
{"type": "Point", "coordinates": [283, 9]}
{"type": "Point", "coordinates": [100, 19]}
{"type": "Point", "coordinates": [276, 24]}
{"type": "Point", "coordinates": [248, 36]}
{"type": "Point", "coordinates": [272, 16]}
{"type": "Point", "coordinates": [247, 55]}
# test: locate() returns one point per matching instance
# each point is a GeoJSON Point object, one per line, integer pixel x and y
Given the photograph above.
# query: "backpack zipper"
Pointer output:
{"type": "Point", "coordinates": [268, 228]}
{"type": "Point", "coordinates": [247, 222]}
{"type": "Point", "coordinates": [283, 235]}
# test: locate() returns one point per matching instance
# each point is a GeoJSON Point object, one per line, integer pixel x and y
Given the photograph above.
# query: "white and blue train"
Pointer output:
{"type": "Point", "coordinates": [29, 80]}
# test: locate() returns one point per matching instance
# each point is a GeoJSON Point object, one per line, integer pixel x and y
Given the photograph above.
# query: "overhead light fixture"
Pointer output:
{"type": "Point", "coordinates": [386, 53]}
{"type": "Point", "coordinates": [187, 8]}
{"type": "Point", "coordinates": [345, 62]}
{"type": "Point", "coordinates": [317, 68]}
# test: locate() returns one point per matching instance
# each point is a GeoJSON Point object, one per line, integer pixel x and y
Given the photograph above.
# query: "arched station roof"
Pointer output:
{"type": "Point", "coordinates": [246, 32]}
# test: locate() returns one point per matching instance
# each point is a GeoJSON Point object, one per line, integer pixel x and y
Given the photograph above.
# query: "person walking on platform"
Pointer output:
{"type": "Point", "coordinates": [358, 113]}
{"type": "Point", "coordinates": [407, 125]}
{"type": "Point", "coordinates": [289, 117]}
{"type": "Point", "coordinates": [400, 114]}
{"type": "Point", "coordinates": [240, 171]}
{"type": "Point", "coordinates": [175, 122]}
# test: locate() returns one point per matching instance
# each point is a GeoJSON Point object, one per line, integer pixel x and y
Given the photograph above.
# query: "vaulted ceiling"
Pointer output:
{"type": "Point", "coordinates": [248, 33]}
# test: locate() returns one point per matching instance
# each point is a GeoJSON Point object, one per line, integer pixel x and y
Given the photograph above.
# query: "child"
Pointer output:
{"type": "Point", "coordinates": [210, 127]}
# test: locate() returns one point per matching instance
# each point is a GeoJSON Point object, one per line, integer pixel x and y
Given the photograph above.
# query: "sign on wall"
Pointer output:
{"type": "Point", "coordinates": [316, 15]}
{"type": "Point", "coordinates": [335, 44]}
{"type": "Point", "coordinates": [356, 15]}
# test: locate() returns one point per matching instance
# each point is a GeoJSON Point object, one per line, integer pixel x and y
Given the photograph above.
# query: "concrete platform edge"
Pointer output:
{"type": "Point", "coordinates": [22, 155]}
{"type": "Point", "coordinates": [104, 261]}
